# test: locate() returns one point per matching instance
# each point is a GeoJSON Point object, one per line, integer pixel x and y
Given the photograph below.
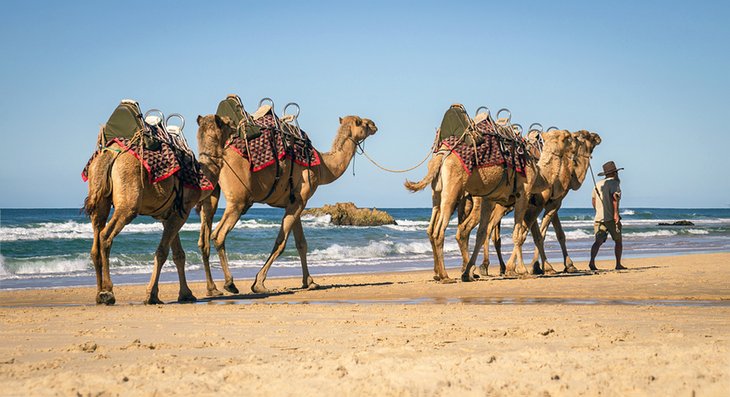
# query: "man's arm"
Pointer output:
{"type": "Point", "coordinates": [616, 198]}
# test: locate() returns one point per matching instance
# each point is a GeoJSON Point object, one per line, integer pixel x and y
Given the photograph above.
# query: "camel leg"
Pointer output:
{"type": "Point", "coordinates": [207, 212]}
{"type": "Point", "coordinates": [171, 227]}
{"type": "Point", "coordinates": [497, 241]}
{"type": "Point", "coordinates": [228, 221]}
{"type": "Point", "coordinates": [518, 237]}
{"type": "Point", "coordinates": [178, 256]}
{"type": "Point", "coordinates": [466, 274]}
{"type": "Point", "coordinates": [449, 201]}
{"type": "Point", "coordinates": [291, 217]}
{"type": "Point", "coordinates": [115, 225]}
{"type": "Point", "coordinates": [493, 231]}
{"type": "Point", "coordinates": [560, 234]}
{"type": "Point", "coordinates": [547, 268]}
{"type": "Point", "coordinates": [98, 221]}
{"type": "Point", "coordinates": [435, 217]}
{"type": "Point", "coordinates": [463, 231]}
{"type": "Point", "coordinates": [301, 243]}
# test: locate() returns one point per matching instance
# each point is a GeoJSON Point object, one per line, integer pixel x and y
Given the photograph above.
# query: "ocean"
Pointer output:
{"type": "Point", "coordinates": [42, 248]}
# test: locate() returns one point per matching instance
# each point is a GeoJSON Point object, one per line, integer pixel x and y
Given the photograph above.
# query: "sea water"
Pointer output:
{"type": "Point", "coordinates": [42, 248]}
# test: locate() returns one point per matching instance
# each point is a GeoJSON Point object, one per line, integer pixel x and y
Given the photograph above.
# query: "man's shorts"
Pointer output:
{"type": "Point", "coordinates": [603, 229]}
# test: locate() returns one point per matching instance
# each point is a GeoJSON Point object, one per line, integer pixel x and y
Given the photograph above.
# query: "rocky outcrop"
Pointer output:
{"type": "Point", "coordinates": [677, 223]}
{"type": "Point", "coordinates": [347, 214]}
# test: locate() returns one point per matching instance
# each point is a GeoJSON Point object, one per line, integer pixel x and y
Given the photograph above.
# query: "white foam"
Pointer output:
{"type": "Point", "coordinates": [52, 266]}
{"type": "Point", "coordinates": [627, 212]}
{"type": "Point", "coordinates": [3, 272]}
{"type": "Point", "coordinates": [655, 233]}
{"type": "Point", "coordinates": [697, 231]}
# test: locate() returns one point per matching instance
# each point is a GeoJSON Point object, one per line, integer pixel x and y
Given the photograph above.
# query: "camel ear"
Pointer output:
{"type": "Point", "coordinates": [596, 139]}
{"type": "Point", "coordinates": [340, 120]}
{"type": "Point", "coordinates": [219, 121]}
{"type": "Point", "coordinates": [358, 121]}
{"type": "Point", "coordinates": [199, 118]}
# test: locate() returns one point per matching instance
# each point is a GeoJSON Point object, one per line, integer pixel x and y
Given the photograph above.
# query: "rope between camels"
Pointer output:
{"type": "Point", "coordinates": [430, 152]}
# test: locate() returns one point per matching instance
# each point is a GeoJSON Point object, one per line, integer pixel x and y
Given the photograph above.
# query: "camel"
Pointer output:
{"type": "Point", "coordinates": [571, 177]}
{"type": "Point", "coordinates": [454, 182]}
{"type": "Point", "coordinates": [118, 179]}
{"type": "Point", "coordinates": [242, 188]}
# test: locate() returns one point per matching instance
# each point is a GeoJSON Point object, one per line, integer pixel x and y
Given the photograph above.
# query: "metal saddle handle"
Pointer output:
{"type": "Point", "coordinates": [267, 99]}
{"type": "Point", "coordinates": [177, 130]}
{"type": "Point", "coordinates": [480, 108]}
{"type": "Point", "coordinates": [154, 117]}
{"type": "Point", "coordinates": [552, 128]}
{"type": "Point", "coordinates": [509, 114]}
{"type": "Point", "coordinates": [535, 127]}
{"type": "Point", "coordinates": [295, 116]}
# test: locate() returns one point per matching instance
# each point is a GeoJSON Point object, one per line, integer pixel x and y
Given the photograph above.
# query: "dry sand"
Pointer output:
{"type": "Point", "coordinates": [662, 328]}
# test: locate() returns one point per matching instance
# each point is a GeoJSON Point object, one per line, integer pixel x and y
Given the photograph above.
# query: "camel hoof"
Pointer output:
{"type": "Point", "coordinates": [153, 300]}
{"type": "Point", "coordinates": [259, 289]}
{"type": "Point", "coordinates": [213, 293]}
{"type": "Point", "coordinates": [231, 288]}
{"type": "Point", "coordinates": [571, 269]}
{"type": "Point", "coordinates": [549, 270]}
{"type": "Point", "coordinates": [312, 286]}
{"type": "Point", "coordinates": [437, 278]}
{"type": "Point", "coordinates": [536, 269]}
{"type": "Point", "coordinates": [621, 267]}
{"type": "Point", "coordinates": [447, 280]}
{"type": "Point", "coordinates": [188, 298]}
{"type": "Point", "coordinates": [105, 298]}
{"type": "Point", "coordinates": [484, 270]}
{"type": "Point", "coordinates": [510, 273]}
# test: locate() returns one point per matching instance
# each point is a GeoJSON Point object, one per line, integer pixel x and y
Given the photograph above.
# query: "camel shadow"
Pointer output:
{"type": "Point", "coordinates": [580, 273]}
{"type": "Point", "coordinates": [233, 298]}
{"type": "Point", "coordinates": [350, 285]}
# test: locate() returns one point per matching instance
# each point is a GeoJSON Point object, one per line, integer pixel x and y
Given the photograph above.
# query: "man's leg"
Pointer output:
{"type": "Point", "coordinates": [614, 230]}
{"type": "Point", "coordinates": [601, 235]}
{"type": "Point", "coordinates": [618, 250]}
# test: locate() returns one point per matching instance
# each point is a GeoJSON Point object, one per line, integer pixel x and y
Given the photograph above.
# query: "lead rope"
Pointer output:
{"type": "Point", "coordinates": [595, 186]}
{"type": "Point", "coordinates": [430, 152]}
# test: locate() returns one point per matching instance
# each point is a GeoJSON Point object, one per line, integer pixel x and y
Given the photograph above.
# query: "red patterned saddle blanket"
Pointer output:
{"type": "Point", "coordinates": [491, 149]}
{"type": "Point", "coordinates": [273, 144]}
{"type": "Point", "coordinates": [161, 164]}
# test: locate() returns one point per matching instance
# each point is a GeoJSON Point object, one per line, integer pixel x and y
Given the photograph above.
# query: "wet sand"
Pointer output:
{"type": "Point", "coordinates": [661, 328]}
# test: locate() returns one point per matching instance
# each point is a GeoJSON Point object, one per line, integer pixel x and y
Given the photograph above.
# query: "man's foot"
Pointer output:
{"type": "Point", "coordinates": [620, 267]}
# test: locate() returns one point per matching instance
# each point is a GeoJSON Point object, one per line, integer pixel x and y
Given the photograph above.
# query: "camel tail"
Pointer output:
{"type": "Point", "coordinates": [100, 182]}
{"type": "Point", "coordinates": [433, 169]}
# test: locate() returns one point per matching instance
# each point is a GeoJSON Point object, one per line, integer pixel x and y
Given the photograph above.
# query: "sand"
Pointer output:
{"type": "Point", "coordinates": [661, 328]}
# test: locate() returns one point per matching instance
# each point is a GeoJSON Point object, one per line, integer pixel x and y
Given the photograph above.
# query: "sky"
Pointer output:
{"type": "Point", "coordinates": [652, 78]}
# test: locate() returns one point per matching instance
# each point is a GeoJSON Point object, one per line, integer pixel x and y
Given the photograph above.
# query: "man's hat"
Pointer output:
{"type": "Point", "coordinates": [608, 168]}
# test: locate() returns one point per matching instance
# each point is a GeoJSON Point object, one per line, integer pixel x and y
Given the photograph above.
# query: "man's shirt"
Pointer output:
{"type": "Point", "coordinates": [604, 204]}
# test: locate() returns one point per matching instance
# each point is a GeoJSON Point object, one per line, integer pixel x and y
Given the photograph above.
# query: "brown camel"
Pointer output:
{"type": "Point", "coordinates": [454, 182]}
{"type": "Point", "coordinates": [118, 179]}
{"type": "Point", "coordinates": [571, 177]}
{"type": "Point", "coordinates": [242, 188]}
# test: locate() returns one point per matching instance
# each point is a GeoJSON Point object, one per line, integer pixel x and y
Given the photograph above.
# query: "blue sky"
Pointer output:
{"type": "Point", "coordinates": [651, 78]}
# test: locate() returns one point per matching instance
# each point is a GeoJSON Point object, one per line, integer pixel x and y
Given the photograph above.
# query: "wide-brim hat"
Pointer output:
{"type": "Point", "coordinates": [609, 168]}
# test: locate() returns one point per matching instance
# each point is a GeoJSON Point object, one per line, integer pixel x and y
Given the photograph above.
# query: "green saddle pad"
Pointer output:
{"type": "Point", "coordinates": [232, 107]}
{"type": "Point", "coordinates": [125, 122]}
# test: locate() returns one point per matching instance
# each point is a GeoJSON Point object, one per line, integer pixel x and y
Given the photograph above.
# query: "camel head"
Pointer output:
{"type": "Point", "coordinates": [557, 142]}
{"type": "Point", "coordinates": [356, 128]}
{"type": "Point", "coordinates": [584, 143]}
{"type": "Point", "coordinates": [213, 133]}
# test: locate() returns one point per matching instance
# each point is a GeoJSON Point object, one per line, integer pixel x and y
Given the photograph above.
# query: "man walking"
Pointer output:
{"type": "Point", "coordinates": [606, 196]}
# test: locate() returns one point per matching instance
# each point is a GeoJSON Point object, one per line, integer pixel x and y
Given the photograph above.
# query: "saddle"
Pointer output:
{"type": "Point", "coordinates": [482, 141]}
{"type": "Point", "coordinates": [160, 147]}
{"type": "Point", "coordinates": [264, 139]}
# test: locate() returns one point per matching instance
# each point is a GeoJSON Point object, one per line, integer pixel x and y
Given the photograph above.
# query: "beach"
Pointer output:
{"type": "Point", "coordinates": [660, 328]}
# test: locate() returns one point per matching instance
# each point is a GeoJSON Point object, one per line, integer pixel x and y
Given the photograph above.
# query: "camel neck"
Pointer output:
{"type": "Point", "coordinates": [336, 161]}
{"type": "Point", "coordinates": [580, 170]}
